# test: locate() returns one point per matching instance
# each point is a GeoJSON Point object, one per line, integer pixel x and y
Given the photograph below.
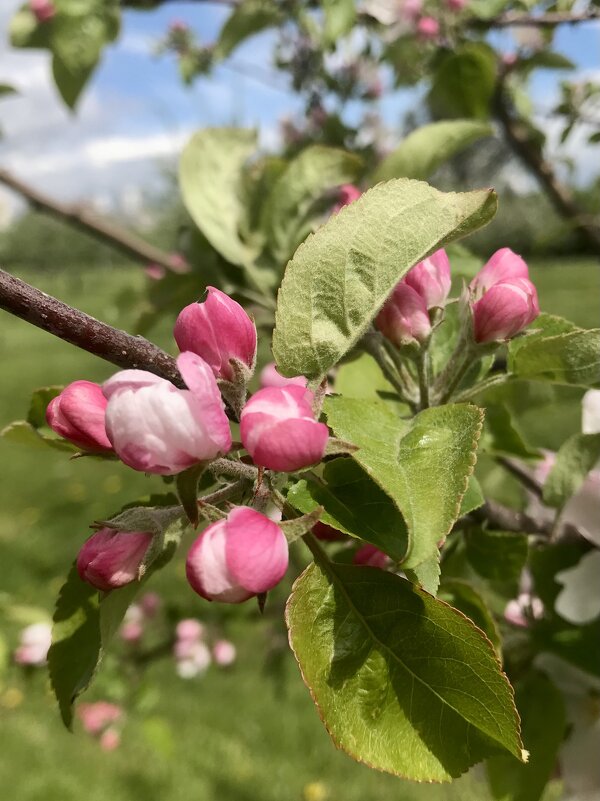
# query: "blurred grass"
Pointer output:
{"type": "Point", "coordinates": [248, 734]}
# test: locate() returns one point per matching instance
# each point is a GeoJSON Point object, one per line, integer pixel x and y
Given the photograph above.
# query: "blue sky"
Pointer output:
{"type": "Point", "coordinates": [136, 115]}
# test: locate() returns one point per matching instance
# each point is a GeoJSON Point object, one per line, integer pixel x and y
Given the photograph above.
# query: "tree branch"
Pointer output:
{"type": "Point", "coordinates": [518, 136]}
{"type": "Point", "coordinates": [91, 223]}
{"type": "Point", "coordinates": [87, 333]}
{"type": "Point", "coordinates": [548, 20]}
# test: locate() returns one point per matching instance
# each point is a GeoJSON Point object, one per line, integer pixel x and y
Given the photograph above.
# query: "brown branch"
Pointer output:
{"type": "Point", "coordinates": [549, 20]}
{"type": "Point", "coordinates": [523, 475]}
{"type": "Point", "coordinates": [518, 136]}
{"type": "Point", "coordinates": [84, 219]}
{"type": "Point", "coordinates": [87, 333]}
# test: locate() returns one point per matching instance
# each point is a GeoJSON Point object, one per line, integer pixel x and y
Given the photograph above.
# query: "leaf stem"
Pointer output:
{"type": "Point", "coordinates": [423, 369]}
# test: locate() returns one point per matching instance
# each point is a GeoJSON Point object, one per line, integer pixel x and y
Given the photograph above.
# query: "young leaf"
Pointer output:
{"type": "Point", "coordinates": [473, 497]}
{"type": "Point", "coordinates": [354, 504]}
{"type": "Point", "coordinates": [427, 148]}
{"type": "Point", "coordinates": [542, 712]}
{"type": "Point", "coordinates": [76, 648]}
{"type": "Point", "coordinates": [403, 682]}
{"type": "Point", "coordinates": [23, 433]}
{"type": "Point", "coordinates": [574, 461]}
{"type": "Point", "coordinates": [501, 436]}
{"type": "Point", "coordinates": [464, 82]}
{"type": "Point", "coordinates": [427, 574]}
{"type": "Point", "coordinates": [423, 464]}
{"type": "Point", "coordinates": [461, 595]}
{"type": "Point", "coordinates": [496, 555]}
{"type": "Point", "coordinates": [287, 212]}
{"type": "Point", "coordinates": [210, 177]}
{"type": "Point", "coordinates": [340, 277]}
{"type": "Point", "coordinates": [567, 358]}
{"type": "Point", "coordinates": [340, 16]}
{"type": "Point", "coordinates": [247, 19]}
{"type": "Point", "coordinates": [39, 403]}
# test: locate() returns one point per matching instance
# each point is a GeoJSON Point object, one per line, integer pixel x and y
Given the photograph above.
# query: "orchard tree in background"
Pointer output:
{"type": "Point", "coordinates": [398, 359]}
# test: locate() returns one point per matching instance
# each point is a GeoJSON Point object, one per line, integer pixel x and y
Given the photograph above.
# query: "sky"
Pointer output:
{"type": "Point", "coordinates": [135, 115]}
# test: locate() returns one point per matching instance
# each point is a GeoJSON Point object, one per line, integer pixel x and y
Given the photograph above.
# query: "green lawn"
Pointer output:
{"type": "Point", "coordinates": [248, 734]}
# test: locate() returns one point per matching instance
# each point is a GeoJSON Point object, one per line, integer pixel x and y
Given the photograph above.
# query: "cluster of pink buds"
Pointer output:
{"type": "Point", "coordinates": [102, 720]}
{"type": "Point", "coordinates": [43, 10]}
{"type": "Point", "coordinates": [456, 5]}
{"type": "Point", "coordinates": [506, 301]}
{"type": "Point", "coordinates": [35, 641]}
{"type": "Point", "coordinates": [138, 616]}
{"type": "Point", "coordinates": [405, 318]}
{"type": "Point", "coordinates": [428, 29]}
{"type": "Point", "coordinates": [192, 653]}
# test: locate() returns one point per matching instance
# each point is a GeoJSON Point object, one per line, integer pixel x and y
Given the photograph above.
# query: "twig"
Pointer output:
{"type": "Point", "coordinates": [523, 475]}
{"type": "Point", "coordinates": [519, 138]}
{"type": "Point", "coordinates": [547, 20]}
{"type": "Point", "coordinates": [91, 223]}
{"type": "Point", "coordinates": [87, 333]}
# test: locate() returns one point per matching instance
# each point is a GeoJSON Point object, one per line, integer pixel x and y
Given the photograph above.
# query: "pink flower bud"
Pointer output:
{"type": "Point", "coordinates": [456, 5]}
{"type": "Point", "coordinates": [347, 193]}
{"type": "Point", "coordinates": [34, 643]}
{"type": "Point", "coordinates": [110, 739]}
{"type": "Point", "coordinates": [236, 558]}
{"type": "Point", "coordinates": [371, 556]}
{"type": "Point", "coordinates": [428, 28]}
{"type": "Point", "coordinates": [218, 330]}
{"type": "Point", "coordinates": [269, 377]}
{"type": "Point", "coordinates": [411, 9]}
{"type": "Point", "coordinates": [43, 10]}
{"type": "Point", "coordinates": [178, 26]}
{"type": "Point", "coordinates": [431, 279]}
{"type": "Point", "coordinates": [189, 630]}
{"type": "Point", "coordinates": [520, 611]}
{"type": "Point", "coordinates": [504, 265]}
{"type": "Point", "coordinates": [156, 428]}
{"type": "Point", "coordinates": [131, 632]}
{"type": "Point", "coordinates": [111, 559]}
{"type": "Point", "coordinates": [150, 604]}
{"type": "Point", "coordinates": [192, 659]}
{"type": "Point", "coordinates": [155, 272]}
{"type": "Point", "coordinates": [279, 429]}
{"type": "Point", "coordinates": [78, 414]}
{"type": "Point", "coordinates": [404, 317]}
{"type": "Point", "coordinates": [504, 310]}
{"type": "Point", "coordinates": [224, 653]}
{"type": "Point", "coordinates": [179, 264]}
{"type": "Point", "coordinates": [97, 716]}
{"type": "Point", "coordinates": [327, 533]}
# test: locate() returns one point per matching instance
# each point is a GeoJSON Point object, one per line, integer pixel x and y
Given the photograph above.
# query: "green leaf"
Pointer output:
{"type": "Point", "coordinates": [427, 148]}
{"type": "Point", "coordinates": [23, 433]}
{"type": "Point", "coordinates": [545, 59]}
{"type": "Point", "coordinates": [39, 403]}
{"type": "Point", "coordinates": [542, 712]}
{"type": "Point", "coordinates": [290, 209]}
{"type": "Point", "coordinates": [247, 19]}
{"type": "Point", "coordinates": [25, 31]}
{"type": "Point", "coordinates": [423, 464]}
{"type": "Point", "coordinates": [427, 574]}
{"type": "Point", "coordinates": [70, 83]}
{"type": "Point", "coordinates": [496, 555]}
{"type": "Point", "coordinates": [464, 82]}
{"type": "Point", "coordinates": [340, 16]}
{"type": "Point", "coordinates": [7, 89]}
{"type": "Point", "coordinates": [187, 490]}
{"type": "Point", "coordinates": [211, 181]}
{"type": "Point", "coordinates": [354, 504]}
{"type": "Point", "coordinates": [403, 682]}
{"type": "Point", "coordinates": [75, 650]}
{"type": "Point", "coordinates": [462, 596]}
{"type": "Point", "coordinates": [362, 378]}
{"type": "Point", "coordinates": [473, 497]}
{"type": "Point", "coordinates": [572, 358]}
{"type": "Point", "coordinates": [501, 435]}
{"type": "Point", "coordinates": [574, 461]}
{"type": "Point", "coordinates": [341, 276]}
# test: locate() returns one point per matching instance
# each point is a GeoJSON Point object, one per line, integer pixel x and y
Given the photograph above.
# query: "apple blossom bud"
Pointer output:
{"type": "Point", "coordinates": [504, 310]}
{"type": "Point", "coordinates": [428, 28]}
{"type": "Point", "coordinates": [411, 9]}
{"type": "Point", "coordinates": [98, 716]}
{"type": "Point", "coordinates": [189, 629]}
{"type": "Point", "coordinates": [110, 739]}
{"type": "Point", "coordinates": [431, 279]}
{"type": "Point", "coordinates": [218, 330]}
{"type": "Point", "coordinates": [35, 641]}
{"type": "Point", "coordinates": [224, 653]}
{"type": "Point", "coordinates": [279, 429]}
{"type": "Point", "coordinates": [131, 632]}
{"type": "Point", "coordinates": [456, 5]}
{"type": "Point", "coordinates": [156, 428]}
{"type": "Point", "coordinates": [520, 611]}
{"type": "Point", "coordinates": [155, 272]}
{"type": "Point", "coordinates": [504, 265]}
{"type": "Point", "coordinates": [404, 318]}
{"type": "Point", "coordinates": [78, 414]}
{"type": "Point", "coordinates": [111, 559]}
{"type": "Point", "coordinates": [43, 10]}
{"type": "Point", "coordinates": [371, 556]}
{"type": "Point", "coordinates": [269, 377]}
{"type": "Point", "coordinates": [347, 193]}
{"type": "Point", "coordinates": [150, 604]}
{"type": "Point", "coordinates": [238, 557]}
{"type": "Point", "coordinates": [192, 658]}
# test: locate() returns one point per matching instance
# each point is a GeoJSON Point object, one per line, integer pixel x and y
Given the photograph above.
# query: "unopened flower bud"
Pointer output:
{"type": "Point", "coordinates": [78, 414]}
{"type": "Point", "coordinates": [98, 716]}
{"type": "Point", "coordinates": [189, 629]}
{"type": "Point", "coordinates": [279, 429]}
{"type": "Point", "coordinates": [456, 5]}
{"type": "Point", "coordinates": [347, 193]}
{"type": "Point", "coordinates": [34, 644]}
{"type": "Point", "coordinates": [504, 265]}
{"type": "Point", "coordinates": [156, 428]}
{"type": "Point", "coordinates": [431, 279]}
{"type": "Point", "coordinates": [371, 556]}
{"type": "Point", "coordinates": [110, 739]}
{"type": "Point", "coordinates": [238, 557]}
{"type": "Point", "coordinates": [43, 10]}
{"type": "Point", "coordinates": [404, 318]}
{"type": "Point", "coordinates": [218, 330]}
{"type": "Point", "coordinates": [150, 604]}
{"type": "Point", "coordinates": [428, 28]}
{"type": "Point", "coordinates": [111, 559]}
{"type": "Point", "coordinates": [224, 653]}
{"type": "Point", "coordinates": [504, 310]}
{"type": "Point", "coordinates": [270, 377]}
